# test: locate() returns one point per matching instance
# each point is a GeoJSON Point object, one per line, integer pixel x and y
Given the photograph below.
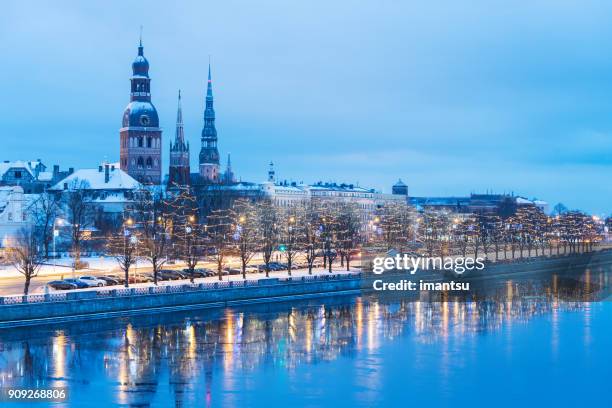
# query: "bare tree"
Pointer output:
{"type": "Point", "coordinates": [433, 227]}
{"type": "Point", "coordinates": [44, 212]}
{"type": "Point", "coordinates": [26, 256]}
{"type": "Point", "coordinates": [329, 227]}
{"type": "Point", "coordinates": [219, 237]}
{"type": "Point", "coordinates": [349, 231]}
{"type": "Point", "coordinates": [311, 233]}
{"type": "Point", "coordinates": [187, 237]}
{"type": "Point", "coordinates": [155, 222]}
{"type": "Point", "coordinates": [291, 234]}
{"type": "Point", "coordinates": [123, 247]}
{"type": "Point", "coordinates": [79, 208]}
{"type": "Point", "coordinates": [267, 215]}
{"type": "Point", "coordinates": [246, 231]}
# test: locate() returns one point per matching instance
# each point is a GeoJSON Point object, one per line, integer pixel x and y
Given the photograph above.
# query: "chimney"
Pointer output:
{"type": "Point", "coordinates": [70, 170]}
{"type": "Point", "coordinates": [100, 169]}
{"type": "Point", "coordinates": [106, 175]}
{"type": "Point", "coordinates": [55, 169]}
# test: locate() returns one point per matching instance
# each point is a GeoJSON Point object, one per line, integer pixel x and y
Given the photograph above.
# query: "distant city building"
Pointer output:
{"type": "Point", "coordinates": [286, 194]}
{"type": "Point", "coordinates": [500, 204]}
{"type": "Point", "coordinates": [32, 176]}
{"type": "Point", "coordinates": [12, 214]}
{"type": "Point", "coordinates": [179, 153]}
{"type": "Point", "coordinates": [108, 188]}
{"type": "Point", "coordinates": [209, 154]}
{"type": "Point", "coordinates": [400, 188]}
{"type": "Point", "coordinates": [140, 134]}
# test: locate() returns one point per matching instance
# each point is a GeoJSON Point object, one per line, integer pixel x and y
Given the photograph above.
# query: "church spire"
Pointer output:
{"type": "Point", "coordinates": [209, 93]}
{"type": "Point", "coordinates": [140, 47]}
{"type": "Point", "coordinates": [209, 154]}
{"type": "Point", "coordinates": [179, 152]}
{"type": "Point", "coordinates": [179, 140]}
{"type": "Point", "coordinates": [229, 174]}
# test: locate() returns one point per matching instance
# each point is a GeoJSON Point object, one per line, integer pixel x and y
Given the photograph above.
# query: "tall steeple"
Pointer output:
{"type": "Point", "coordinates": [209, 154]}
{"type": "Point", "coordinates": [228, 176]}
{"type": "Point", "coordinates": [140, 134]}
{"type": "Point", "coordinates": [179, 152]}
{"type": "Point", "coordinates": [179, 138]}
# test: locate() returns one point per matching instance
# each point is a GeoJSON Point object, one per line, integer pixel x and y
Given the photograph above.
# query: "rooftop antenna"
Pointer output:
{"type": "Point", "coordinates": [141, 35]}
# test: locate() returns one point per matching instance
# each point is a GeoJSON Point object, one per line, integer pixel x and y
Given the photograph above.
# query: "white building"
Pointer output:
{"type": "Point", "coordinates": [108, 187]}
{"type": "Point", "coordinates": [12, 214]}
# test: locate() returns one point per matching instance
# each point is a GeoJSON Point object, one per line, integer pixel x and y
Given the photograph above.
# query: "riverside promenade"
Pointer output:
{"type": "Point", "coordinates": [117, 301]}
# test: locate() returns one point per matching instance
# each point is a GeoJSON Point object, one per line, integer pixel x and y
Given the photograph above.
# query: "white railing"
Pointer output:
{"type": "Point", "coordinates": [176, 288]}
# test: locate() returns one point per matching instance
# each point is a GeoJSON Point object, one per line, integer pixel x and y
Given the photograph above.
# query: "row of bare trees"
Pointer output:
{"type": "Point", "coordinates": [529, 231]}
{"type": "Point", "coordinates": [159, 227]}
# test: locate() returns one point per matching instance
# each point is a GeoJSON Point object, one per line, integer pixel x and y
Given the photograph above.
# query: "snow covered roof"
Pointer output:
{"type": "Point", "coordinates": [523, 201]}
{"type": "Point", "coordinates": [94, 179]}
{"type": "Point", "coordinates": [6, 166]}
{"type": "Point", "coordinates": [340, 187]}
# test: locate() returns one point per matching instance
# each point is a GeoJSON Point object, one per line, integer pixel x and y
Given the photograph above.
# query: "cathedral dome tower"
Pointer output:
{"type": "Point", "coordinates": [140, 134]}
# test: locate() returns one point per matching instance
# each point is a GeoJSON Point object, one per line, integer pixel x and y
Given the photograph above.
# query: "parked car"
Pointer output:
{"type": "Point", "coordinates": [208, 271]}
{"type": "Point", "coordinates": [277, 266]}
{"type": "Point", "coordinates": [167, 274]}
{"type": "Point", "coordinates": [92, 281]}
{"type": "Point", "coordinates": [197, 273]}
{"type": "Point", "coordinates": [140, 278]}
{"type": "Point", "coordinates": [234, 271]}
{"type": "Point", "coordinates": [251, 269]}
{"type": "Point", "coordinates": [109, 280]}
{"type": "Point", "coordinates": [118, 278]}
{"type": "Point", "coordinates": [61, 285]}
{"type": "Point", "coordinates": [78, 283]}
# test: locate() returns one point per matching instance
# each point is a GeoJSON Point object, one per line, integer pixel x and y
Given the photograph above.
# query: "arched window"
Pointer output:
{"type": "Point", "coordinates": [140, 163]}
{"type": "Point", "coordinates": [140, 142]}
{"type": "Point", "coordinates": [149, 142]}
{"type": "Point", "coordinates": [149, 163]}
{"type": "Point", "coordinates": [155, 163]}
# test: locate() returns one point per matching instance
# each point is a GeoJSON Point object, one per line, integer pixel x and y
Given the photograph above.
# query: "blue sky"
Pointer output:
{"type": "Point", "coordinates": [453, 97]}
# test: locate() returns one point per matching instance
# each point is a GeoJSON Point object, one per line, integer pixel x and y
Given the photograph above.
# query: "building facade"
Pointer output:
{"type": "Point", "coordinates": [32, 176]}
{"type": "Point", "coordinates": [108, 190]}
{"type": "Point", "coordinates": [178, 174]}
{"type": "Point", "coordinates": [12, 214]}
{"type": "Point", "coordinates": [140, 134]}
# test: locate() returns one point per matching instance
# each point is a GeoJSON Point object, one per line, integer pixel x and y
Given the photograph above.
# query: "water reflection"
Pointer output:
{"type": "Point", "coordinates": [176, 359]}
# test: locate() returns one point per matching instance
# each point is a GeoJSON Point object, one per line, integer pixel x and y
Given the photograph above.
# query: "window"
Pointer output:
{"type": "Point", "coordinates": [140, 163]}
{"type": "Point", "coordinates": [140, 142]}
{"type": "Point", "coordinates": [17, 174]}
{"type": "Point", "coordinates": [149, 163]}
{"type": "Point", "coordinates": [149, 142]}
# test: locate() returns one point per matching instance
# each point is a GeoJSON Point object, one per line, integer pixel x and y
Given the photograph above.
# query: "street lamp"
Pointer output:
{"type": "Point", "coordinates": [57, 222]}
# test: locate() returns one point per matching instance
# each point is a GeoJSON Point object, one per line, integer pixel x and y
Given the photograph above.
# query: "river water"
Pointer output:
{"type": "Point", "coordinates": [512, 348]}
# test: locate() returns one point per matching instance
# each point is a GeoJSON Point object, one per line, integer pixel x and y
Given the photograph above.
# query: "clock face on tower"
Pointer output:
{"type": "Point", "coordinates": [144, 120]}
